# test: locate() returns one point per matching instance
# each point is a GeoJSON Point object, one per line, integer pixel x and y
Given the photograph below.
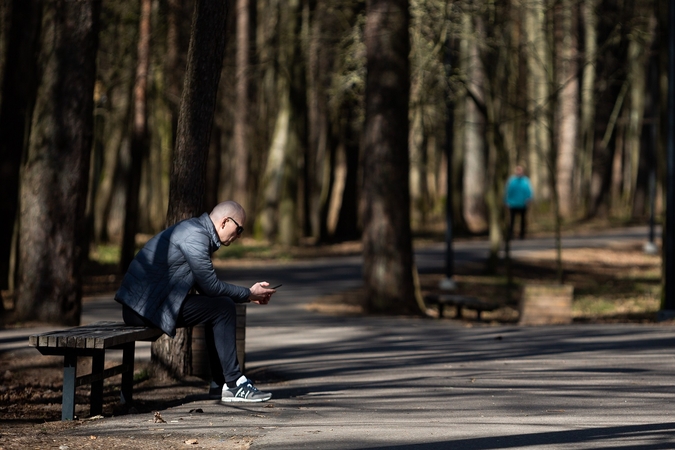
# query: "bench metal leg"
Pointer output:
{"type": "Point", "coordinates": [128, 351]}
{"type": "Point", "coordinates": [69, 376]}
{"type": "Point", "coordinates": [96, 401]}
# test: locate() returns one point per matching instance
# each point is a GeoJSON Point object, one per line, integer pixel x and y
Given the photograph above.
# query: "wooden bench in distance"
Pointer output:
{"type": "Point", "coordinates": [92, 341]}
{"type": "Point", "coordinates": [459, 302]}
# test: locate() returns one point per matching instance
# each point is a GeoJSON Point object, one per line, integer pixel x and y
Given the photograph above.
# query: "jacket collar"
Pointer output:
{"type": "Point", "coordinates": [208, 225]}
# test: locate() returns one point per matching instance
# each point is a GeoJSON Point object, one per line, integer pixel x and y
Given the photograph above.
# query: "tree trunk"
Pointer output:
{"type": "Point", "coordinates": [348, 225]}
{"type": "Point", "coordinates": [20, 37]}
{"type": "Point", "coordinates": [538, 97]}
{"type": "Point", "coordinates": [178, 20]}
{"type": "Point", "coordinates": [55, 173]}
{"type": "Point", "coordinates": [241, 133]}
{"type": "Point", "coordinates": [279, 215]}
{"type": "Point", "coordinates": [568, 92]}
{"type": "Point", "coordinates": [348, 137]}
{"type": "Point", "coordinates": [139, 137]}
{"type": "Point", "coordinates": [474, 180]}
{"type": "Point", "coordinates": [638, 53]}
{"type": "Point", "coordinates": [588, 99]}
{"type": "Point", "coordinates": [186, 192]}
{"type": "Point", "coordinates": [387, 241]}
{"type": "Point", "coordinates": [321, 146]}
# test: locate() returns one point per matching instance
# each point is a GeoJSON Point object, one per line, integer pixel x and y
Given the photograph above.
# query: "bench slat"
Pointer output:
{"type": "Point", "coordinates": [100, 335]}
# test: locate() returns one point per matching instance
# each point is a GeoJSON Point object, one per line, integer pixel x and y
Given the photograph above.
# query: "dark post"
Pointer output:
{"type": "Point", "coordinates": [668, 301]}
{"type": "Point", "coordinates": [448, 283]}
{"type": "Point", "coordinates": [650, 247]}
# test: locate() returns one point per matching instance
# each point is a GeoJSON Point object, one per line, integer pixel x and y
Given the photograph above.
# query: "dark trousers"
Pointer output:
{"type": "Point", "coordinates": [219, 316]}
{"type": "Point", "coordinates": [513, 212]}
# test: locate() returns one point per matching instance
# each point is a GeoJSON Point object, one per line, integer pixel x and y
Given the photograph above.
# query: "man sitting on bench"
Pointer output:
{"type": "Point", "coordinates": [155, 292]}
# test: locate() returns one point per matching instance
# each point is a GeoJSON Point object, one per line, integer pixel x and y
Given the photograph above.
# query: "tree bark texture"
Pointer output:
{"type": "Point", "coordinates": [198, 100]}
{"type": "Point", "coordinates": [538, 65]}
{"type": "Point", "coordinates": [387, 241]}
{"type": "Point", "coordinates": [55, 172]}
{"type": "Point", "coordinates": [587, 99]}
{"type": "Point", "coordinates": [21, 42]}
{"type": "Point", "coordinates": [188, 171]}
{"type": "Point", "coordinates": [568, 107]}
{"type": "Point", "coordinates": [475, 163]}
{"type": "Point", "coordinates": [241, 132]}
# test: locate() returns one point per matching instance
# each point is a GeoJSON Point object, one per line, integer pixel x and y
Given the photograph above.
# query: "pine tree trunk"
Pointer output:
{"type": "Point", "coordinates": [538, 97]}
{"type": "Point", "coordinates": [205, 59]}
{"type": "Point", "coordinates": [55, 172]}
{"type": "Point", "coordinates": [587, 125]}
{"type": "Point", "coordinates": [568, 108]}
{"type": "Point", "coordinates": [387, 241]}
{"type": "Point", "coordinates": [20, 36]}
{"type": "Point", "coordinates": [241, 133]}
{"type": "Point", "coordinates": [474, 180]}
{"type": "Point", "coordinates": [638, 52]}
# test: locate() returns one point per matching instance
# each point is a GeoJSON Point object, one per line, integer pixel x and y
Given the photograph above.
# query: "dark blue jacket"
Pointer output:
{"type": "Point", "coordinates": [168, 266]}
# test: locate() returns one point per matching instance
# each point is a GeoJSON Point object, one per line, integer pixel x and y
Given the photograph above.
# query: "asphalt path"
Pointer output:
{"type": "Point", "coordinates": [424, 384]}
{"type": "Point", "coordinates": [304, 281]}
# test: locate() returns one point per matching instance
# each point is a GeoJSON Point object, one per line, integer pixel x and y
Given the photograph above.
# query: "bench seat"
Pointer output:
{"type": "Point", "coordinates": [92, 341]}
{"type": "Point", "coordinates": [459, 302]}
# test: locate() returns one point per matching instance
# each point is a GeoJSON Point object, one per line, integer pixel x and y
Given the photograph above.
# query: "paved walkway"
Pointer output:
{"type": "Point", "coordinates": [401, 383]}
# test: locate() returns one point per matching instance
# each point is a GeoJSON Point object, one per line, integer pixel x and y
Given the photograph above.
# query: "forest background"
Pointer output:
{"type": "Point", "coordinates": [572, 89]}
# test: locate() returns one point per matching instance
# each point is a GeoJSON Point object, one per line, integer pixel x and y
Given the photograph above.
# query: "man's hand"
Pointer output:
{"type": "Point", "coordinates": [260, 293]}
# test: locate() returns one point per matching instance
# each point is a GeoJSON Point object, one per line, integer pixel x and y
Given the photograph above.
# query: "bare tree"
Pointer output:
{"type": "Point", "coordinates": [55, 173]}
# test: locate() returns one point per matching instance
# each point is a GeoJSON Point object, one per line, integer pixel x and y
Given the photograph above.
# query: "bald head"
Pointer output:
{"type": "Point", "coordinates": [228, 209]}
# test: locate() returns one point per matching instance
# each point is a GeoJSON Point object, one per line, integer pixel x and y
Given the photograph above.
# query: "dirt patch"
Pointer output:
{"type": "Point", "coordinates": [620, 284]}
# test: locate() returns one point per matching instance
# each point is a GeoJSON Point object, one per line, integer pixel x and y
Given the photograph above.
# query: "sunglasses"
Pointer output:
{"type": "Point", "coordinates": [240, 229]}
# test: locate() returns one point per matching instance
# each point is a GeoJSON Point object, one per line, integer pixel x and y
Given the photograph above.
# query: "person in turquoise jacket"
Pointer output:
{"type": "Point", "coordinates": [517, 197]}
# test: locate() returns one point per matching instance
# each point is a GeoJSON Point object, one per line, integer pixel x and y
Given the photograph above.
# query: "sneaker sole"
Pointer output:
{"type": "Point", "coordinates": [244, 400]}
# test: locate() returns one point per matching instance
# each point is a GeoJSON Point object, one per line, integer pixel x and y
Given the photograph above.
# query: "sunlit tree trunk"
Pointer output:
{"type": "Point", "coordinates": [387, 240]}
{"type": "Point", "coordinates": [537, 55]}
{"type": "Point", "coordinates": [588, 99]}
{"type": "Point", "coordinates": [198, 101]}
{"type": "Point", "coordinates": [568, 107]}
{"type": "Point", "coordinates": [475, 213]}
{"type": "Point", "coordinates": [55, 173]}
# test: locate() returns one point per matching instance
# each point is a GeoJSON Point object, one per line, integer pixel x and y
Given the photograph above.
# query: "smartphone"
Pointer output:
{"type": "Point", "coordinates": [278, 285]}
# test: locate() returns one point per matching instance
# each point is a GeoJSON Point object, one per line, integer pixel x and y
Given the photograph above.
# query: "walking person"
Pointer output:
{"type": "Point", "coordinates": [517, 198]}
{"type": "Point", "coordinates": [156, 291]}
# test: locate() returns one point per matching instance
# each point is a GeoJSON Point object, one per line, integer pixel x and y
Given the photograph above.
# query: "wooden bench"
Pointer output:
{"type": "Point", "coordinates": [459, 302]}
{"type": "Point", "coordinates": [93, 341]}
